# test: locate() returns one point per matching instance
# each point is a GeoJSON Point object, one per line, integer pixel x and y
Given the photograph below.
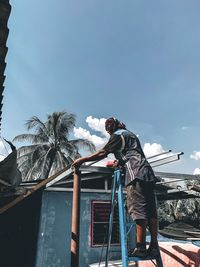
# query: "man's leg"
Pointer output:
{"type": "Point", "coordinates": [141, 226]}
{"type": "Point", "coordinates": [140, 250]}
{"type": "Point", "coordinates": [153, 249]}
{"type": "Point", "coordinates": [152, 217]}
{"type": "Point", "coordinates": [153, 229]}
{"type": "Point", "coordinates": [136, 204]}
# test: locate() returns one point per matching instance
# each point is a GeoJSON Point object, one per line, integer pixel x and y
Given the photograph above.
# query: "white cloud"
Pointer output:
{"type": "Point", "coordinates": [97, 124]}
{"type": "Point", "coordinates": [195, 155]}
{"type": "Point", "coordinates": [196, 171]}
{"type": "Point", "coordinates": [99, 142]}
{"type": "Point", "coordinates": [152, 149]}
{"type": "Point", "coordinates": [85, 134]}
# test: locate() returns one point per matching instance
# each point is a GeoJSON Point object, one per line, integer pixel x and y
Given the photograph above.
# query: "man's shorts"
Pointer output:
{"type": "Point", "coordinates": [141, 200]}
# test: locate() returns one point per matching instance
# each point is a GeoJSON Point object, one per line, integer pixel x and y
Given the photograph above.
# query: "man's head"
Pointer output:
{"type": "Point", "coordinates": [112, 124]}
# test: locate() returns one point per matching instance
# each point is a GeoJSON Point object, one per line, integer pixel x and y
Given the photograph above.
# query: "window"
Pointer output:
{"type": "Point", "coordinates": [100, 222]}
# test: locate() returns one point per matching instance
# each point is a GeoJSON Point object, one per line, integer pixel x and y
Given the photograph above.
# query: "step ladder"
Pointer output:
{"type": "Point", "coordinates": [117, 184]}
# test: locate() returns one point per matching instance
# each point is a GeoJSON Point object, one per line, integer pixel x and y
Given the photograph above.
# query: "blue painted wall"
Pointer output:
{"type": "Point", "coordinates": [54, 239]}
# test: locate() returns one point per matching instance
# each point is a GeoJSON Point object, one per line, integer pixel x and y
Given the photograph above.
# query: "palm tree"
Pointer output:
{"type": "Point", "coordinates": [50, 149]}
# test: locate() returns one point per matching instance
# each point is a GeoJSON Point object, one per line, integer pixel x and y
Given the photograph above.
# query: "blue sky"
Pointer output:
{"type": "Point", "coordinates": [136, 60]}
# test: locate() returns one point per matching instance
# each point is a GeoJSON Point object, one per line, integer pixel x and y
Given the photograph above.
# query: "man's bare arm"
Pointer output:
{"type": "Point", "coordinates": [100, 154]}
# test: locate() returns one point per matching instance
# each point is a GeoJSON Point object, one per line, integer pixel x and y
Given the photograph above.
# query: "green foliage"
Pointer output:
{"type": "Point", "coordinates": [184, 210]}
{"type": "Point", "coordinates": [50, 149]}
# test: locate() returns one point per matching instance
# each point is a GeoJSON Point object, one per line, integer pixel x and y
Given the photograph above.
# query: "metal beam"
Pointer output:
{"type": "Point", "coordinates": [166, 160]}
{"type": "Point", "coordinates": [177, 176]}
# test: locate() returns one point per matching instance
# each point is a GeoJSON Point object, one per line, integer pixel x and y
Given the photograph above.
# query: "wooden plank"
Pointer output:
{"type": "Point", "coordinates": [33, 190]}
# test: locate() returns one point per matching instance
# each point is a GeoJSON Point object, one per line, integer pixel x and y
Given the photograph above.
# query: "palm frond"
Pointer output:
{"type": "Point", "coordinates": [34, 122]}
{"type": "Point", "coordinates": [83, 143]}
{"type": "Point", "coordinates": [37, 167]}
{"type": "Point", "coordinates": [47, 163]}
{"type": "Point", "coordinates": [26, 150]}
{"type": "Point", "coordinates": [33, 138]}
{"type": "Point", "coordinates": [66, 123]}
{"type": "Point", "coordinates": [50, 149]}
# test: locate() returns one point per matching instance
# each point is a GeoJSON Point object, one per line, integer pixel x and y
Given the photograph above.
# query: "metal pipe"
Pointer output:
{"type": "Point", "coordinates": [75, 234]}
{"type": "Point", "coordinates": [165, 160]}
{"type": "Point", "coordinates": [159, 154]}
{"type": "Point", "coordinates": [169, 182]}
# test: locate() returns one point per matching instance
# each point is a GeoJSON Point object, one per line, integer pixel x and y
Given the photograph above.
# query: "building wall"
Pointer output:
{"type": "Point", "coordinates": [19, 233]}
{"type": "Point", "coordinates": [54, 239]}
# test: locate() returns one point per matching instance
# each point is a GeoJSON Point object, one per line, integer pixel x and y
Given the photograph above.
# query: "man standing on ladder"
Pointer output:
{"type": "Point", "coordinates": [140, 182]}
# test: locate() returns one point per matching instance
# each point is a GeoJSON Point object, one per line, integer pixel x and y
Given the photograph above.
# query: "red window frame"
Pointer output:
{"type": "Point", "coordinates": [100, 213]}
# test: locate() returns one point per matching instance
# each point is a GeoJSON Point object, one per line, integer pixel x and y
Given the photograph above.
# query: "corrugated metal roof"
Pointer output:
{"type": "Point", "coordinates": [5, 9]}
